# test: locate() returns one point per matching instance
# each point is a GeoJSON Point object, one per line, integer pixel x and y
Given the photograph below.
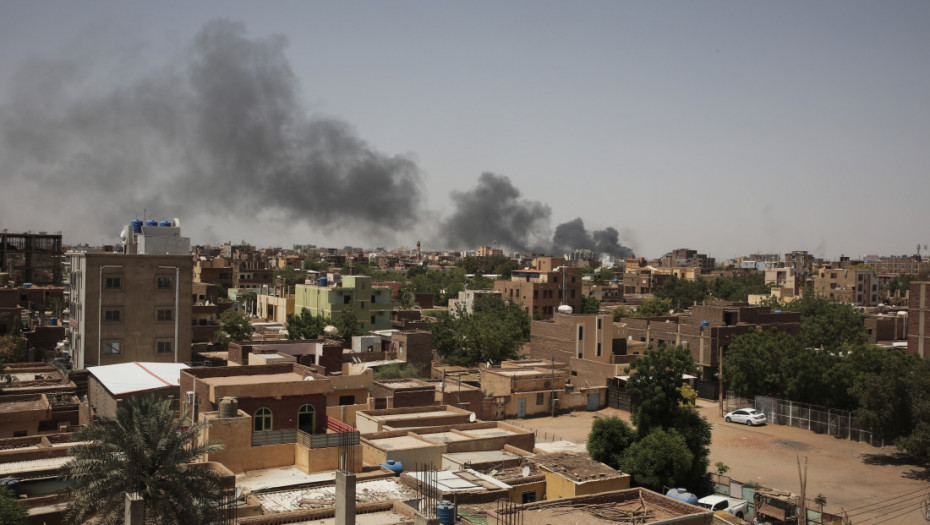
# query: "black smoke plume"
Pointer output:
{"type": "Point", "coordinates": [492, 213]}
{"type": "Point", "coordinates": [220, 130]}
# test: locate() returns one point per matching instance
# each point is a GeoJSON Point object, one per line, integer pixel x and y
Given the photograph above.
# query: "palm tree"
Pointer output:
{"type": "Point", "coordinates": [143, 450]}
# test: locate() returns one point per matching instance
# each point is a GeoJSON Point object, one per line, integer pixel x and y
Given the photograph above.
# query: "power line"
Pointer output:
{"type": "Point", "coordinates": [902, 493]}
{"type": "Point", "coordinates": [907, 510]}
{"type": "Point", "coordinates": [880, 502]}
{"type": "Point", "coordinates": [906, 506]}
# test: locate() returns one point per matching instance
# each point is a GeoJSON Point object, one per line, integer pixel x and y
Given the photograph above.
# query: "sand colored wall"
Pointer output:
{"type": "Point", "coordinates": [239, 455]}
{"type": "Point", "coordinates": [312, 460]}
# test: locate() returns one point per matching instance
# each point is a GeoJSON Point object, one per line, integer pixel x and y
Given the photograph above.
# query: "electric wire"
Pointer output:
{"type": "Point", "coordinates": [908, 495]}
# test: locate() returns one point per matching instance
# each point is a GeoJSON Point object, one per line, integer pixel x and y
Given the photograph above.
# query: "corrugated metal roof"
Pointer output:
{"type": "Point", "coordinates": [132, 377]}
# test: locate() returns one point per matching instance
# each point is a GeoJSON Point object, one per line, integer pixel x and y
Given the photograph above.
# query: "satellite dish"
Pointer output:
{"type": "Point", "coordinates": [525, 472]}
{"type": "Point", "coordinates": [471, 417]}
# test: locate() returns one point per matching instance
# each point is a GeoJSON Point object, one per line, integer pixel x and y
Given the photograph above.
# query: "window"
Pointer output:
{"type": "Point", "coordinates": [372, 319]}
{"type": "Point", "coordinates": [347, 299]}
{"type": "Point", "coordinates": [111, 347]}
{"type": "Point", "coordinates": [346, 400]}
{"type": "Point", "coordinates": [163, 347]}
{"type": "Point", "coordinates": [599, 349]}
{"type": "Point", "coordinates": [529, 496]}
{"type": "Point", "coordinates": [113, 283]}
{"type": "Point", "coordinates": [261, 420]}
{"type": "Point", "coordinates": [163, 283]}
{"type": "Point", "coordinates": [581, 333]}
{"type": "Point", "coordinates": [540, 398]}
{"type": "Point", "coordinates": [165, 315]}
{"type": "Point", "coordinates": [599, 324]}
{"type": "Point", "coordinates": [112, 315]}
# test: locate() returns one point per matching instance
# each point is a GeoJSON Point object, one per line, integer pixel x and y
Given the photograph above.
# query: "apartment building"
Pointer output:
{"type": "Point", "coordinates": [855, 286]}
{"type": "Point", "coordinates": [31, 257]}
{"type": "Point", "coordinates": [918, 319]}
{"type": "Point", "coordinates": [135, 305]}
{"type": "Point", "coordinates": [372, 305]}
{"type": "Point", "coordinates": [544, 287]}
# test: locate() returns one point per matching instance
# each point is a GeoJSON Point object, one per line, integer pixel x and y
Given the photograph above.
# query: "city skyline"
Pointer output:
{"type": "Point", "coordinates": [727, 128]}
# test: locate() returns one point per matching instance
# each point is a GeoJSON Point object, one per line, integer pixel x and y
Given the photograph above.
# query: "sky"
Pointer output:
{"type": "Point", "coordinates": [628, 127]}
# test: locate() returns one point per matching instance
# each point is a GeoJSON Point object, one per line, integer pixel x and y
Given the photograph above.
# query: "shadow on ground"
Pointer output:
{"type": "Point", "coordinates": [920, 472]}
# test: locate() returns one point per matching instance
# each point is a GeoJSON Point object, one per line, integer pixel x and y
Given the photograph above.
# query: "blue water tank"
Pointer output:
{"type": "Point", "coordinates": [136, 226]}
{"type": "Point", "coordinates": [151, 222]}
{"type": "Point", "coordinates": [394, 466]}
{"type": "Point", "coordinates": [164, 224]}
{"type": "Point", "coordinates": [53, 321]}
{"type": "Point", "coordinates": [321, 281]}
{"type": "Point", "coordinates": [682, 495]}
{"type": "Point", "coordinates": [445, 511]}
{"type": "Point", "coordinates": [777, 311]}
{"type": "Point", "coordinates": [27, 285]}
{"type": "Point", "coordinates": [704, 324]}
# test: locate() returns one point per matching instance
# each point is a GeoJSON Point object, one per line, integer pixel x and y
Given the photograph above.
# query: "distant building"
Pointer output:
{"type": "Point", "coordinates": [542, 289]}
{"type": "Point", "coordinates": [684, 257]}
{"type": "Point", "coordinates": [372, 305]}
{"type": "Point", "coordinates": [854, 286]}
{"type": "Point", "coordinates": [31, 257]}
{"type": "Point", "coordinates": [918, 319]}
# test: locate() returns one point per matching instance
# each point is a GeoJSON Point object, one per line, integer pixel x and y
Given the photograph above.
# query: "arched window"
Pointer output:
{"type": "Point", "coordinates": [261, 421]}
{"type": "Point", "coordinates": [306, 419]}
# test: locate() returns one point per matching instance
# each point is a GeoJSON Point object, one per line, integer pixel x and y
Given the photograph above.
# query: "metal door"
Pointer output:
{"type": "Point", "coordinates": [594, 402]}
{"type": "Point", "coordinates": [521, 407]}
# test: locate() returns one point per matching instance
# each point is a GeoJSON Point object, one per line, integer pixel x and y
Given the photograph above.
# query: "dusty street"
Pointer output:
{"type": "Point", "coordinates": [872, 484]}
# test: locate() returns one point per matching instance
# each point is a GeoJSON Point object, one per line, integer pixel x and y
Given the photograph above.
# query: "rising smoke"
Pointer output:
{"type": "Point", "coordinates": [493, 214]}
{"type": "Point", "coordinates": [221, 130]}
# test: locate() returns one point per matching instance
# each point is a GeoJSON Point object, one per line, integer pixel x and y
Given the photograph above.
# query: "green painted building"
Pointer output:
{"type": "Point", "coordinates": [372, 305]}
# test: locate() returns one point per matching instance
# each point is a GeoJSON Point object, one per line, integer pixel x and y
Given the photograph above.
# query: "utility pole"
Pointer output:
{"type": "Point", "coordinates": [552, 394]}
{"type": "Point", "coordinates": [802, 477]}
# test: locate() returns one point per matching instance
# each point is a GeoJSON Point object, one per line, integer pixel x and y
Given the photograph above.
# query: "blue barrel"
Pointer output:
{"type": "Point", "coordinates": [136, 225]}
{"type": "Point", "coordinates": [53, 321]}
{"type": "Point", "coordinates": [321, 281]}
{"type": "Point", "coordinates": [682, 495]}
{"type": "Point", "coordinates": [151, 222]}
{"type": "Point", "coordinates": [164, 224]}
{"type": "Point", "coordinates": [445, 511]}
{"type": "Point", "coordinates": [394, 466]}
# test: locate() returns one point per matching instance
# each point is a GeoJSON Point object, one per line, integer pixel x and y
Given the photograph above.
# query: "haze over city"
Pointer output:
{"type": "Point", "coordinates": [727, 127]}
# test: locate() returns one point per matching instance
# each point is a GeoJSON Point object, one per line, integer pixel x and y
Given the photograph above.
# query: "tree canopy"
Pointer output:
{"type": "Point", "coordinates": [306, 326]}
{"type": "Point", "coordinates": [11, 512]}
{"type": "Point", "coordinates": [494, 331]}
{"type": "Point", "coordinates": [590, 304]}
{"type": "Point", "coordinates": [144, 450]}
{"type": "Point", "coordinates": [609, 439]}
{"type": "Point", "coordinates": [660, 459]}
{"type": "Point", "coordinates": [829, 324]}
{"type": "Point", "coordinates": [347, 323]}
{"type": "Point", "coordinates": [236, 325]}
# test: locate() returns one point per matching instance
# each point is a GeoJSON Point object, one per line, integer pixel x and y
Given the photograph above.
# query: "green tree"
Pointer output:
{"type": "Point", "coordinates": [659, 460]}
{"type": "Point", "coordinates": [11, 512]}
{"type": "Point", "coordinates": [235, 326]}
{"type": "Point", "coordinates": [655, 386]}
{"type": "Point", "coordinates": [305, 325]}
{"type": "Point", "coordinates": [888, 405]}
{"type": "Point", "coordinates": [290, 276]}
{"type": "Point", "coordinates": [590, 304]}
{"type": "Point", "coordinates": [620, 312]}
{"type": "Point", "coordinates": [144, 450]}
{"type": "Point", "coordinates": [398, 371]}
{"type": "Point", "coordinates": [828, 323]}
{"type": "Point", "coordinates": [316, 266]}
{"type": "Point", "coordinates": [405, 298]}
{"type": "Point", "coordinates": [603, 277]}
{"type": "Point", "coordinates": [609, 439]}
{"type": "Point", "coordinates": [756, 363]}
{"type": "Point", "coordinates": [654, 307]}
{"type": "Point", "coordinates": [494, 331]}
{"type": "Point", "coordinates": [739, 287]}
{"type": "Point", "coordinates": [347, 324]}
{"type": "Point", "coordinates": [682, 293]}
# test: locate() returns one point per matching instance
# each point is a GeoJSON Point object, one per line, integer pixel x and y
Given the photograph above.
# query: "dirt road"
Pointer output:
{"type": "Point", "coordinates": [874, 485]}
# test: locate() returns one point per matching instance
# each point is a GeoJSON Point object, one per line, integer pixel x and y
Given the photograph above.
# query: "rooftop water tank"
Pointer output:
{"type": "Point", "coordinates": [136, 226]}
{"type": "Point", "coordinates": [445, 511]}
{"type": "Point", "coordinates": [321, 281]}
{"type": "Point", "coordinates": [229, 407]}
{"type": "Point", "coordinates": [565, 309]}
{"type": "Point", "coordinates": [165, 224]}
{"type": "Point", "coordinates": [53, 321]}
{"type": "Point", "coordinates": [394, 466]}
{"type": "Point", "coordinates": [704, 324]}
{"type": "Point", "coordinates": [682, 495]}
{"type": "Point", "coordinates": [151, 222]}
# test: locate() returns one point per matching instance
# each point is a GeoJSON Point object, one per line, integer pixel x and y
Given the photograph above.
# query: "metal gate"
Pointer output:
{"type": "Point", "coordinates": [594, 402]}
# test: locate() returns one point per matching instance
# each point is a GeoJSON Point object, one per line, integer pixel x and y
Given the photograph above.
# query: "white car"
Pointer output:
{"type": "Point", "coordinates": [736, 507]}
{"type": "Point", "coordinates": [749, 416]}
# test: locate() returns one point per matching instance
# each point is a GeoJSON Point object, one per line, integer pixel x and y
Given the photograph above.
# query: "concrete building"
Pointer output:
{"type": "Point", "coordinates": [31, 257]}
{"type": "Point", "coordinates": [569, 475]}
{"type": "Point", "coordinates": [788, 279]}
{"type": "Point", "coordinates": [918, 319]}
{"type": "Point", "coordinates": [110, 385]}
{"type": "Point", "coordinates": [684, 257]}
{"type": "Point", "coordinates": [855, 286]}
{"type": "Point", "coordinates": [372, 305]}
{"type": "Point", "coordinates": [466, 300]}
{"type": "Point", "coordinates": [130, 308]}
{"type": "Point", "coordinates": [544, 287]}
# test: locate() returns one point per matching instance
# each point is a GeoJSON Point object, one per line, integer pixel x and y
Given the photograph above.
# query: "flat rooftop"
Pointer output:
{"type": "Point", "coordinates": [322, 497]}
{"type": "Point", "coordinates": [516, 372]}
{"type": "Point", "coordinates": [398, 443]}
{"type": "Point", "coordinates": [416, 415]}
{"type": "Point", "coordinates": [18, 467]}
{"type": "Point", "coordinates": [386, 517]}
{"type": "Point", "coordinates": [258, 379]}
{"type": "Point", "coordinates": [488, 432]}
{"type": "Point", "coordinates": [259, 480]}
{"type": "Point", "coordinates": [25, 405]}
{"type": "Point", "coordinates": [445, 437]}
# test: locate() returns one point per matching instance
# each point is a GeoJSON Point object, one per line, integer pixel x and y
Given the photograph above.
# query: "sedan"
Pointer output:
{"type": "Point", "coordinates": [750, 416]}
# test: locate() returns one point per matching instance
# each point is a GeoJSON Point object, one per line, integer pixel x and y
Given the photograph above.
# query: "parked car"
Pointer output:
{"type": "Point", "coordinates": [749, 416]}
{"type": "Point", "coordinates": [736, 507]}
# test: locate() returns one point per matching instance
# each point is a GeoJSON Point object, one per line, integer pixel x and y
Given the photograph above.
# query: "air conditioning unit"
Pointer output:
{"type": "Point", "coordinates": [189, 397]}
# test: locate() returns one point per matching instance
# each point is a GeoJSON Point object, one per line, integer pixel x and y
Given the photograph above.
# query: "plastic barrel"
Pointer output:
{"type": "Point", "coordinates": [445, 511]}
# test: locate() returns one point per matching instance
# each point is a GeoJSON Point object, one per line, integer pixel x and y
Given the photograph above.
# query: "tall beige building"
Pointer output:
{"type": "Point", "coordinates": [135, 305]}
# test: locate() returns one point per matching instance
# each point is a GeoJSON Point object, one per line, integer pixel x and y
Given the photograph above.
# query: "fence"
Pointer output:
{"type": "Point", "coordinates": [274, 437]}
{"type": "Point", "coordinates": [726, 486]}
{"type": "Point", "coordinates": [822, 420]}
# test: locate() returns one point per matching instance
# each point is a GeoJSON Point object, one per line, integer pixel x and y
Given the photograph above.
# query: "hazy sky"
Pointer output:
{"type": "Point", "coordinates": [728, 127]}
